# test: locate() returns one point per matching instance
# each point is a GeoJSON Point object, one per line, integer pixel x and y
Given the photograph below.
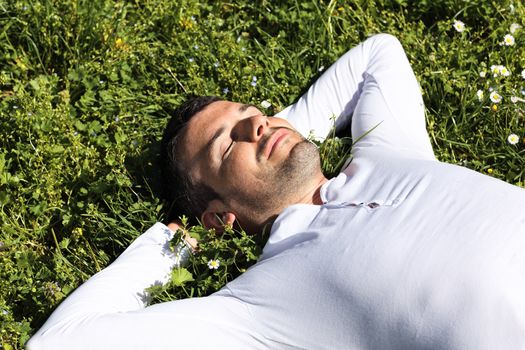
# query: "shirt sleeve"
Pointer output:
{"type": "Point", "coordinates": [372, 87]}
{"type": "Point", "coordinates": [109, 310]}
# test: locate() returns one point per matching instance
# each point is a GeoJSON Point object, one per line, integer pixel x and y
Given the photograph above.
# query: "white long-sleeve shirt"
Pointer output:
{"type": "Point", "coordinates": [405, 252]}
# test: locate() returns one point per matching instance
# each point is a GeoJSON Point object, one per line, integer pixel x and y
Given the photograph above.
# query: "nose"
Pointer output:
{"type": "Point", "coordinates": [252, 129]}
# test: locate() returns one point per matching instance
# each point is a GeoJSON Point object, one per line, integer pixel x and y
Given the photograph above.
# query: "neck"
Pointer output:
{"type": "Point", "coordinates": [313, 195]}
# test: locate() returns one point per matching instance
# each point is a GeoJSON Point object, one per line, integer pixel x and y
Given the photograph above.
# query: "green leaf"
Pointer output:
{"type": "Point", "coordinates": [180, 276]}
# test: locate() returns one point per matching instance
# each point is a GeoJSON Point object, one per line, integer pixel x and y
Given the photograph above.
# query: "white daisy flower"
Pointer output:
{"type": "Point", "coordinates": [504, 71]}
{"type": "Point", "coordinates": [480, 95]}
{"type": "Point", "coordinates": [495, 97]}
{"type": "Point", "coordinates": [514, 99]}
{"type": "Point", "coordinates": [514, 27]}
{"type": "Point", "coordinates": [214, 264]}
{"type": "Point", "coordinates": [508, 40]}
{"type": "Point", "coordinates": [513, 139]}
{"type": "Point", "coordinates": [495, 69]}
{"type": "Point", "coordinates": [265, 104]}
{"type": "Point", "coordinates": [482, 74]}
{"type": "Point", "coordinates": [459, 26]}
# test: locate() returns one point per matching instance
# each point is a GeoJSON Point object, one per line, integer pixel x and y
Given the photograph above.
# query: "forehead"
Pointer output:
{"type": "Point", "coordinates": [213, 115]}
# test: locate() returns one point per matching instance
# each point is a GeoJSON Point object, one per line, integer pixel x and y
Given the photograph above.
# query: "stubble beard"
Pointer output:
{"type": "Point", "coordinates": [284, 184]}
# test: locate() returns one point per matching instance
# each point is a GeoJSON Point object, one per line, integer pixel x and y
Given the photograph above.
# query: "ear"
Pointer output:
{"type": "Point", "coordinates": [216, 220]}
{"type": "Point", "coordinates": [217, 215]}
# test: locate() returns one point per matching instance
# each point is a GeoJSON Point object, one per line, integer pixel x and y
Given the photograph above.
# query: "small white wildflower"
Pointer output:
{"type": "Point", "coordinates": [214, 264]}
{"type": "Point", "coordinates": [495, 69]}
{"type": "Point", "coordinates": [254, 83]}
{"type": "Point", "coordinates": [196, 47]}
{"type": "Point", "coordinates": [243, 49]}
{"type": "Point", "coordinates": [479, 93]}
{"type": "Point", "coordinates": [193, 18]}
{"type": "Point", "coordinates": [254, 78]}
{"type": "Point", "coordinates": [483, 74]}
{"type": "Point", "coordinates": [29, 113]}
{"type": "Point", "coordinates": [495, 97]}
{"type": "Point", "coordinates": [499, 70]}
{"type": "Point", "coordinates": [101, 82]}
{"type": "Point", "coordinates": [321, 68]}
{"type": "Point", "coordinates": [514, 27]}
{"type": "Point", "coordinates": [522, 92]}
{"type": "Point", "coordinates": [513, 139]}
{"type": "Point", "coordinates": [225, 91]}
{"type": "Point", "coordinates": [265, 104]}
{"type": "Point", "coordinates": [459, 26]}
{"type": "Point", "coordinates": [216, 64]}
{"type": "Point", "coordinates": [190, 59]}
{"type": "Point", "coordinates": [523, 74]}
{"type": "Point", "coordinates": [117, 119]}
{"type": "Point", "coordinates": [491, 88]}
{"type": "Point", "coordinates": [508, 40]}
{"type": "Point", "coordinates": [15, 107]}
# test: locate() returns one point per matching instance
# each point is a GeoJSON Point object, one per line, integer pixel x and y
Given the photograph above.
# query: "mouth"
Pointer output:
{"type": "Point", "coordinates": [273, 141]}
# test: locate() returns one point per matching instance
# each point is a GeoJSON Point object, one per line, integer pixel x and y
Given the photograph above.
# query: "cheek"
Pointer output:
{"type": "Point", "coordinates": [241, 171]}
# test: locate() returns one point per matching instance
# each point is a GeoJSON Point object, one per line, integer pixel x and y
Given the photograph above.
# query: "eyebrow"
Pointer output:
{"type": "Point", "coordinates": [215, 136]}
{"type": "Point", "coordinates": [245, 106]}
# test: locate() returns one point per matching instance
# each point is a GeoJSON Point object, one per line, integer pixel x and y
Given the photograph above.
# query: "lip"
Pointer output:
{"type": "Point", "coordinates": [275, 140]}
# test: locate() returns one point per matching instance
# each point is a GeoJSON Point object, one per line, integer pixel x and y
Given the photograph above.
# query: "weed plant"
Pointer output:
{"type": "Point", "coordinates": [87, 86]}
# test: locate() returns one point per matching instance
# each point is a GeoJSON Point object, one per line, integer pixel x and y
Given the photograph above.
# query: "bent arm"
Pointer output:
{"type": "Point", "coordinates": [109, 310]}
{"type": "Point", "coordinates": [372, 87]}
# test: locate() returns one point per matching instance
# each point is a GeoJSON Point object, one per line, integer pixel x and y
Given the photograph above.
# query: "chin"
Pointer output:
{"type": "Point", "coordinates": [303, 162]}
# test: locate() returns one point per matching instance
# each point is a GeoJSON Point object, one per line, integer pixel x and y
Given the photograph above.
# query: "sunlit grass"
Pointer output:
{"type": "Point", "coordinates": [86, 88]}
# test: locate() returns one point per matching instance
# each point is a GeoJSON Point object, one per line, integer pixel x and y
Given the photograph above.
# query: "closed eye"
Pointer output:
{"type": "Point", "coordinates": [228, 149]}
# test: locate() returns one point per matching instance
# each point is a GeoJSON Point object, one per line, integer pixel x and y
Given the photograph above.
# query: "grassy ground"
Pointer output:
{"type": "Point", "coordinates": [86, 87]}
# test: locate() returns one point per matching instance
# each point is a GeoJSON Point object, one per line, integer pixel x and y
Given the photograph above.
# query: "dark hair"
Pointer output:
{"type": "Point", "coordinates": [183, 194]}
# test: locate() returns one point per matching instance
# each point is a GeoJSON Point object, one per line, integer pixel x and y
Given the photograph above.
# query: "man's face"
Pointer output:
{"type": "Point", "coordinates": [254, 162]}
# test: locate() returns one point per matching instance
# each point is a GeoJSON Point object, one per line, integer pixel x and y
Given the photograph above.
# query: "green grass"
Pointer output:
{"type": "Point", "coordinates": [86, 87]}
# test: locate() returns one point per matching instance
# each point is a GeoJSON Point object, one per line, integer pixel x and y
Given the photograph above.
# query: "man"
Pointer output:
{"type": "Point", "coordinates": [399, 251]}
